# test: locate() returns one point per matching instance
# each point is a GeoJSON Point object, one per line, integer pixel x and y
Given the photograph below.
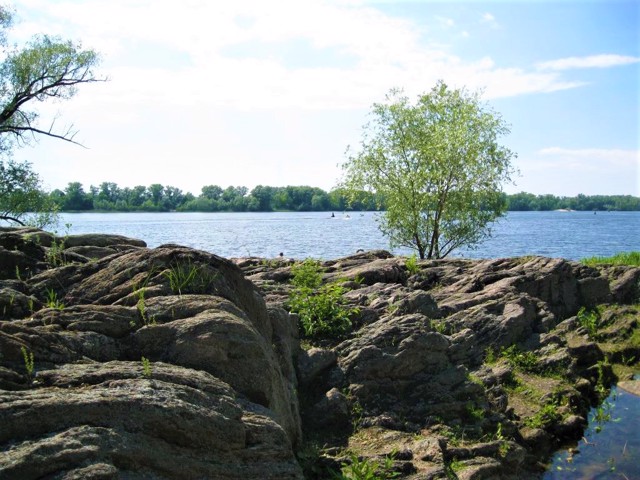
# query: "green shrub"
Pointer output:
{"type": "Point", "coordinates": [411, 263]}
{"type": "Point", "coordinates": [589, 319]}
{"type": "Point", "coordinates": [307, 274]}
{"type": "Point", "coordinates": [322, 308]}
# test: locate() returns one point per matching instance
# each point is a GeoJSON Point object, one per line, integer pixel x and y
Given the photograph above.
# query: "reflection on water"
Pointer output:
{"type": "Point", "coordinates": [610, 448]}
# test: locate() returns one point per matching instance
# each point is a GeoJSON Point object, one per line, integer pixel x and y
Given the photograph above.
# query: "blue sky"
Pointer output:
{"type": "Point", "coordinates": [249, 92]}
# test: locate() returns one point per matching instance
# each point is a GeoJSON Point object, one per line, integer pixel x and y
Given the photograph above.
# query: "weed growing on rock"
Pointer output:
{"type": "Point", "coordinates": [411, 264]}
{"type": "Point", "coordinates": [189, 278]}
{"type": "Point", "coordinates": [52, 300]}
{"type": "Point", "coordinates": [28, 361]}
{"type": "Point", "coordinates": [524, 361]}
{"type": "Point", "coordinates": [55, 256]}
{"type": "Point", "coordinates": [146, 367]}
{"type": "Point", "coordinates": [588, 319]}
{"type": "Point", "coordinates": [452, 468]}
{"type": "Point", "coordinates": [439, 326]}
{"type": "Point", "coordinates": [366, 469]}
{"type": "Point", "coordinates": [546, 416]}
{"type": "Point", "coordinates": [142, 308]}
{"type": "Point", "coordinates": [322, 308]}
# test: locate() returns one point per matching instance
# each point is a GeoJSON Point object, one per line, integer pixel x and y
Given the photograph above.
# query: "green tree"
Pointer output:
{"type": "Point", "coordinates": [46, 68]}
{"type": "Point", "coordinates": [75, 198]}
{"type": "Point", "coordinates": [438, 166]}
{"type": "Point", "coordinates": [21, 194]}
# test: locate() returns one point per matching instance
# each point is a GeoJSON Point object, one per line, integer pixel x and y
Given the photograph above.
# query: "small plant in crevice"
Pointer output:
{"type": "Point", "coordinates": [411, 264]}
{"type": "Point", "coordinates": [55, 253]}
{"type": "Point", "coordinates": [28, 361]}
{"type": "Point", "coordinates": [589, 319]}
{"type": "Point", "coordinates": [525, 361]}
{"type": "Point", "coordinates": [53, 301]}
{"type": "Point", "coordinates": [141, 306]}
{"type": "Point", "coordinates": [146, 367]}
{"type": "Point", "coordinates": [366, 469]}
{"type": "Point", "coordinates": [544, 417]}
{"type": "Point", "coordinates": [187, 277]}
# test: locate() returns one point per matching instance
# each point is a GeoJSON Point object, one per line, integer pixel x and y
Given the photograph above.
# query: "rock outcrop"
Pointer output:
{"type": "Point", "coordinates": [147, 363]}
{"type": "Point", "coordinates": [484, 365]}
{"type": "Point", "coordinates": [120, 361]}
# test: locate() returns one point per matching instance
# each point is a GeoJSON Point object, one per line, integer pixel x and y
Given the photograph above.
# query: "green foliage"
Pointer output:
{"type": "Point", "coordinates": [47, 68]}
{"type": "Point", "coordinates": [108, 196]}
{"type": "Point", "coordinates": [53, 301]}
{"type": "Point", "coordinates": [321, 308]}
{"type": "Point", "coordinates": [55, 255]}
{"type": "Point", "coordinates": [525, 361]}
{"type": "Point", "coordinates": [452, 468]}
{"type": "Point", "coordinates": [22, 194]}
{"type": "Point", "coordinates": [367, 469]}
{"type": "Point", "coordinates": [411, 264]}
{"type": "Point", "coordinates": [544, 417]}
{"type": "Point", "coordinates": [146, 367]}
{"type": "Point", "coordinates": [529, 202]}
{"type": "Point", "coordinates": [473, 412]}
{"type": "Point", "coordinates": [307, 274]}
{"type": "Point", "coordinates": [588, 319]}
{"type": "Point", "coordinates": [141, 306]}
{"type": "Point", "coordinates": [490, 356]}
{"type": "Point", "coordinates": [186, 277]}
{"type": "Point", "coordinates": [28, 361]}
{"type": "Point", "coordinates": [438, 166]}
{"type": "Point", "coordinates": [623, 258]}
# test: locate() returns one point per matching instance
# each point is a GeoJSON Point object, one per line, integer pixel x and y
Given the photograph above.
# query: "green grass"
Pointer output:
{"type": "Point", "coordinates": [624, 258]}
{"type": "Point", "coordinates": [187, 277]}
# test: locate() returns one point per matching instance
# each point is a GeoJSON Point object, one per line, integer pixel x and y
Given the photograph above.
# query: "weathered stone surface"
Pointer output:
{"type": "Point", "coordinates": [91, 419]}
{"type": "Point", "coordinates": [438, 362]}
{"type": "Point", "coordinates": [219, 400]}
{"type": "Point", "coordinates": [416, 358]}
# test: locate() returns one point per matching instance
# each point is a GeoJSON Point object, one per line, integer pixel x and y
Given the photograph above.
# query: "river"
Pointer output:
{"type": "Point", "coordinates": [571, 235]}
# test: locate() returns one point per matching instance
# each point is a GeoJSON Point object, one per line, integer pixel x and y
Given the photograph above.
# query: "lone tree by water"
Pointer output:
{"type": "Point", "coordinates": [47, 68]}
{"type": "Point", "coordinates": [438, 166]}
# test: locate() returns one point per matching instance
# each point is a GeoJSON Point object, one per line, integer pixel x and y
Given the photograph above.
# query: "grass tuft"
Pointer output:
{"type": "Point", "coordinates": [623, 258]}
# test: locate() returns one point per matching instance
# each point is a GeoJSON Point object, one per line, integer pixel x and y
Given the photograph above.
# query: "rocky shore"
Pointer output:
{"type": "Point", "coordinates": [120, 361]}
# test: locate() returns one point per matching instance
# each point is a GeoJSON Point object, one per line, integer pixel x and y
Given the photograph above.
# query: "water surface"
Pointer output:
{"type": "Point", "coordinates": [571, 235]}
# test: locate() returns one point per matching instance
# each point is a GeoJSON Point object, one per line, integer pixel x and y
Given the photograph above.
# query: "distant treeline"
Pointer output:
{"type": "Point", "coordinates": [212, 198]}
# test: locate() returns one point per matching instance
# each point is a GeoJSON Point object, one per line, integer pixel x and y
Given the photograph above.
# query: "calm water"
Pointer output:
{"type": "Point", "coordinates": [571, 235]}
{"type": "Point", "coordinates": [610, 448]}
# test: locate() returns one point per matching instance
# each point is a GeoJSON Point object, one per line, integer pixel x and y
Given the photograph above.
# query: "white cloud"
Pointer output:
{"type": "Point", "coordinates": [380, 52]}
{"type": "Point", "coordinates": [488, 19]}
{"type": "Point", "coordinates": [235, 102]}
{"type": "Point", "coordinates": [593, 61]}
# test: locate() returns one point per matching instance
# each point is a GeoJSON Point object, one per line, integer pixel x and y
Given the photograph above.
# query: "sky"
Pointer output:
{"type": "Point", "coordinates": [255, 92]}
